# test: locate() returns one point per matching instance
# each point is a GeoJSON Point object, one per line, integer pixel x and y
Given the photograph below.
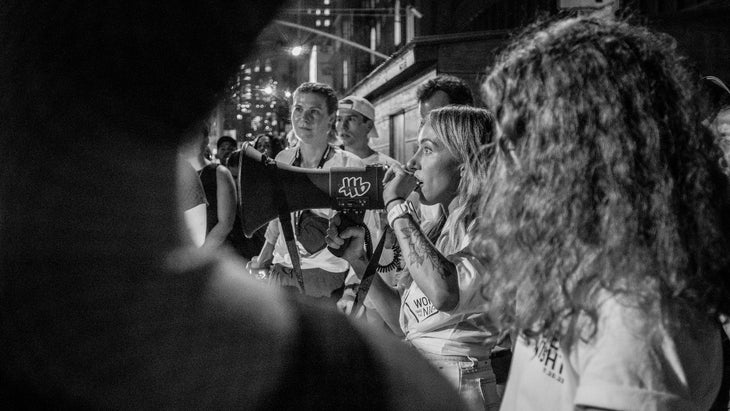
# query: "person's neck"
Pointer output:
{"type": "Point", "coordinates": [312, 153]}
{"type": "Point", "coordinates": [362, 151]}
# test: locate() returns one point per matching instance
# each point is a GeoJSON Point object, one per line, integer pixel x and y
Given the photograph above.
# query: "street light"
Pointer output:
{"type": "Point", "coordinates": [296, 51]}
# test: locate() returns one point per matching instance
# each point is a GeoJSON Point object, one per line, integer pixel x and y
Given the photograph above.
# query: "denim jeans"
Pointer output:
{"type": "Point", "coordinates": [472, 377]}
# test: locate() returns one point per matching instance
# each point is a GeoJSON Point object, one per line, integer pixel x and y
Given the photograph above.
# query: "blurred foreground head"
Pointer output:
{"type": "Point", "coordinates": [102, 305]}
{"type": "Point", "coordinates": [105, 89]}
{"type": "Point", "coordinates": [604, 181]}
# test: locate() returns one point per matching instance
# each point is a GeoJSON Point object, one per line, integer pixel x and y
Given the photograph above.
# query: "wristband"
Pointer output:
{"type": "Point", "coordinates": [400, 210]}
{"type": "Point", "coordinates": [393, 199]}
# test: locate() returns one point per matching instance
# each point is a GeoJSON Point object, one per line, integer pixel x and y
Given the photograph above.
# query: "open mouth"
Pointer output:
{"type": "Point", "coordinates": [419, 182]}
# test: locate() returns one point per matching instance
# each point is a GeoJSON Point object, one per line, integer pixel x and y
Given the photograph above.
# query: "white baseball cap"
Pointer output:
{"type": "Point", "coordinates": [362, 106]}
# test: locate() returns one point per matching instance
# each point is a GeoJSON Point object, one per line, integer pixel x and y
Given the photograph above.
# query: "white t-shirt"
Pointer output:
{"type": "Point", "coordinates": [375, 222]}
{"type": "Point", "coordinates": [467, 329]}
{"type": "Point", "coordinates": [323, 259]}
{"type": "Point", "coordinates": [622, 368]}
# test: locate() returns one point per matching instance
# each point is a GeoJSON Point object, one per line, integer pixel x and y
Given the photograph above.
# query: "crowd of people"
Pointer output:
{"type": "Point", "coordinates": [559, 243]}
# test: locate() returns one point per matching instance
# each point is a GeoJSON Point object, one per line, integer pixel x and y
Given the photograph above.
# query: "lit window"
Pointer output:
{"type": "Point", "coordinates": [318, 12]}
{"type": "Point", "coordinates": [326, 12]}
{"type": "Point", "coordinates": [327, 23]}
{"type": "Point", "coordinates": [345, 75]}
{"type": "Point", "coordinates": [326, 2]}
{"type": "Point", "coordinates": [318, 23]}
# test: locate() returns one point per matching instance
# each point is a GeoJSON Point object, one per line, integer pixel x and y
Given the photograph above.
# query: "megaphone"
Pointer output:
{"type": "Point", "coordinates": [264, 185]}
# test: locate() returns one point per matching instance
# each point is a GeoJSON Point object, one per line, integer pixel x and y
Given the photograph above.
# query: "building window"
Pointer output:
{"type": "Point", "coordinates": [327, 23]}
{"type": "Point", "coordinates": [345, 75]}
{"type": "Point", "coordinates": [373, 43]}
{"type": "Point", "coordinates": [377, 33]}
{"type": "Point", "coordinates": [346, 29]}
{"type": "Point", "coordinates": [318, 23]}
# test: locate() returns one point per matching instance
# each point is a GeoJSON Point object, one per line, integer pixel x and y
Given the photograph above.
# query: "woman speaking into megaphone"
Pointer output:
{"type": "Point", "coordinates": [438, 304]}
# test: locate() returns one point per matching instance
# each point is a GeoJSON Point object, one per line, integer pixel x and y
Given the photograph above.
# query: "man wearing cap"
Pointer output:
{"type": "Point", "coordinates": [225, 145]}
{"type": "Point", "coordinates": [355, 126]}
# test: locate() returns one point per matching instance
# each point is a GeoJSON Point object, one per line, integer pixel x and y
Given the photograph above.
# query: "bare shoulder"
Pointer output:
{"type": "Point", "coordinates": [222, 170]}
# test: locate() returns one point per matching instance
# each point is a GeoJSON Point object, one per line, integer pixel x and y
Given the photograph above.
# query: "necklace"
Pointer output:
{"type": "Point", "coordinates": [298, 157]}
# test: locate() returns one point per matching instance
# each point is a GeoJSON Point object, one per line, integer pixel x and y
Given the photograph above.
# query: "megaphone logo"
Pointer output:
{"type": "Point", "coordinates": [353, 187]}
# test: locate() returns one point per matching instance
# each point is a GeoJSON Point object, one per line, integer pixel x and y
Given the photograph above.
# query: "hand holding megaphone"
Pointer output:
{"type": "Point", "coordinates": [398, 183]}
{"type": "Point", "coordinates": [346, 242]}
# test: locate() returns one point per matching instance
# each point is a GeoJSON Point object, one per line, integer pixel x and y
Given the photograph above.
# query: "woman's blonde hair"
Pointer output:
{"type": "Point", "coordinates": [467, 133]}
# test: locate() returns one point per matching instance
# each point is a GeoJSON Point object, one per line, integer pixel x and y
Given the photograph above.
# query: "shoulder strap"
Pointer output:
{"type": "Point", "coordinates": [286, 228]}
{"type": "Point", "coordinates": [367, 279]}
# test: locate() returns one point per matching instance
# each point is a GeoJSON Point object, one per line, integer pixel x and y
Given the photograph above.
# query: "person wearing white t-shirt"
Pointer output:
{"type": "Point", "coordinates": [313, 115]}
{"type": "Point", "coordinates": [604, 228]}
{"type": "Point", "coordinates": [355, 127]}
{"type": "Point", "coordinates": [440, 308]}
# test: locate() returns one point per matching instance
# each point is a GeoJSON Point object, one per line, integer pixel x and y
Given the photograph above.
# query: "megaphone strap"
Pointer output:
{"type": "Point", "coordinates": [284, 212]}
{"type": "Point", "coordinates": [367, 277]}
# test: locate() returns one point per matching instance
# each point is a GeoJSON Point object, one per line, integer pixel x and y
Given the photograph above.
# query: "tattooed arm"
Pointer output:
{"type": "Point", "coordinates": [432, 272]}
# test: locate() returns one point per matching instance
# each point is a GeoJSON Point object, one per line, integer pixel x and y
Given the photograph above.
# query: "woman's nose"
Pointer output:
{"type": "Point", "coordinates": [412, 164]}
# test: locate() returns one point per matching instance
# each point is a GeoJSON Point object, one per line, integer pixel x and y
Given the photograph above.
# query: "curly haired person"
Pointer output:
{"type": "Point", "coordinates": [603, 222]}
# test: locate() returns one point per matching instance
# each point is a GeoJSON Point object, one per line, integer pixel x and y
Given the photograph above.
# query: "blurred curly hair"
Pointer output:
{"type": "Point", "coordinates": [605, 181]}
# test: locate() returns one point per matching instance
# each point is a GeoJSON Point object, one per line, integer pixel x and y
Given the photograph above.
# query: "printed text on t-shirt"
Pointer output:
{"type": "Point", "coordinates": [421, 307]}
{"type": "Point", "coordinates": [549, 355]}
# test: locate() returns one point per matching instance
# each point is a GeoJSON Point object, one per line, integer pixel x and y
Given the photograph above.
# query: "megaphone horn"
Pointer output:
{"type": "Point", "coordinates": [339, 188]}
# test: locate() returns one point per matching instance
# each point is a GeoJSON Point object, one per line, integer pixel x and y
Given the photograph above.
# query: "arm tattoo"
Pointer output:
{"type": "Point", "coordinates": [421, 250]}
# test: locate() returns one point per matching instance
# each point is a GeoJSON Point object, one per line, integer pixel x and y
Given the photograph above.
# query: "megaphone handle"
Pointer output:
{"type": "Point", "coordinates": [347, 219]}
